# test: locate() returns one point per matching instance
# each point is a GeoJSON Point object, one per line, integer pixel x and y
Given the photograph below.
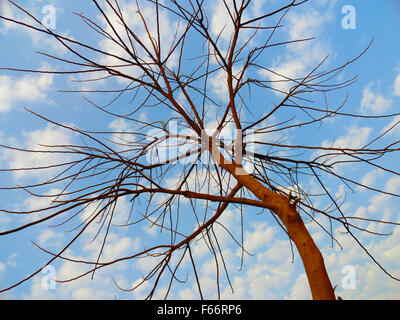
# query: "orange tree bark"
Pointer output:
{"type": "Point", "coordinates": [320, 285]}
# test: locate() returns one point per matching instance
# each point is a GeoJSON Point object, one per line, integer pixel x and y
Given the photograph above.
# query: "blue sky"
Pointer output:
{"type": "Point", "coordinates": [269, 273]}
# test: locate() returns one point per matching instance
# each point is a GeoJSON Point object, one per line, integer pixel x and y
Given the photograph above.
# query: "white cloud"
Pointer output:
{"type": "Point", "coordinates": [5, 221]}
{"type": "Point", "coordinates": [49, 42]}
{"type": "Point", "coordinates": [188, 294]}
{"type": "Point", "coordinates": [354, 138]}
{"type": "Point", "coordinates": [305, 24]}
{"type": "Point", "coordinates": [120, 247]}
{"type": "Point", "coordinates": [278, 251]}
{"type": "Point", "coordinates": [39, 39]}
{"type": "Point", "coordinates": [123, 138]}
{"type": "Point", "coordinates": [397, 86]}
{"type": "Point", "coordinates": [6, 10]}
{"type": "Point", "coordinates": [301, 57]}
{"type": "Point", "coordinates": [393, 185]}
{"type": "Point", "coordinates": [134, 21]}
{"type": "Point", "coordinates": [370, 178]}
{"type": "Point", "coordinates": [36, 203]}
{"type": "Point", "coordinates": [219, 83]}
{"type": "Point", "coordinates": [120, 217]}
{"type": "Point", "coordinates": [370, 280]}
{"type": "Point", "coordinates": [39, 292]}
{"type": "Point", "coordinates": [27, 89]}
{"type": "Point", "coordinates": [88, 293]}
{"type": "Point", "coordinates": [38, 140]}
{"type": "Point", "coordinates": [373, 102]}
{"type": "Point", "coordinates": [221, 22]}
{"type": "Point", "coordinates": [141, 292]}
{"type": "Point", "coordinates": [50, 238]}
{"type": "Point", "coordinates": [393, 127]}
{"type": "Point", "coordinates": [100, 287]}
{"type": "Point", "coordinates": [230, 219]}
{"type": "Point", "coordinates": [261, 280]}
{"type": "Point", "coordinates": [12, 260]}
{"type": "Point", "coordinates": [301, 289]}
{"type": "Point", "coordinates": [376, 202]}
{"type": "Point", "coordinates": [262, 235]}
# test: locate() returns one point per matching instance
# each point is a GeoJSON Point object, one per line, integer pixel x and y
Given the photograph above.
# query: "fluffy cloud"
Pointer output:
{"type": "Point", "coordinates": [300, 58]}
{"type": "Point", "coordinates": [135, 22]}
{"type": "Point", "coordinates": [301, 289]}
{"type": "Point", "coordinates": [373, 102]}
{"type": "Point", "coordinates": [37, 8]}
{"type": "Point", "coordinates": [221, 22]}
{"type": "Point", "coordinates": [50, 238]}
{"type": "Point", "coordinates": [100, 288]}
{"type": "Point", "coordinates": [355, 137]}
{"type": "Point", "coordinates": [35, 203]}
{"type": "Point", "coordinates": [27, 89]}
{"type": "Point", "coordinates": [269, 274]}
{"type": "Point", "coordinates": [369, 280]}
{"type": "Point", "coordinates": [38, 140]}
{"type": "Point", "coordinates": [370, 178]}
{"type": "Point", "coordinates": [222, 26]}
{"type": "Point", "coordinates": [258, 237]}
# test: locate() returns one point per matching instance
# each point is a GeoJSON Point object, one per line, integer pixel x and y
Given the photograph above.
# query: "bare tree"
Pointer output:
{"type": "Point", "coordinates": [170, 76]}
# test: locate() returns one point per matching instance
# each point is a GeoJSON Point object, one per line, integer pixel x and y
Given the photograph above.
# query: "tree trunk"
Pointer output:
{"type": "Point", "coordinates": [320, 285]}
